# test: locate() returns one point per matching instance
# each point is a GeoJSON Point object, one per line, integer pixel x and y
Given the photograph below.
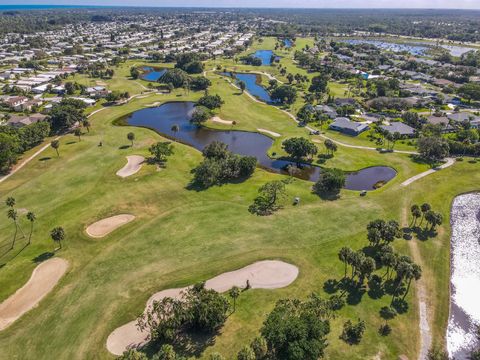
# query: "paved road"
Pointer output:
{"type": "Point", "coordinates": [449, 162]}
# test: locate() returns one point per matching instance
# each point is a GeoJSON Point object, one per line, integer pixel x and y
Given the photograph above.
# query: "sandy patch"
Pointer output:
{"type": "Point", "coordinates": [274, 134]}
{"type": "Point", "coordinates": [221, 121]}
{"type": "Point", "coordinates": [101, 83]}
{"type": "Point", "coordinates": [106, 226]}
{"type": "Point", "coordinates": [44, 278]}
{"type": "Point", "coordinates": [268, 274]}
{"type": "Point", "coordinates": [155, 104]}
{"type": "Point", "coordinates": [134, 163]}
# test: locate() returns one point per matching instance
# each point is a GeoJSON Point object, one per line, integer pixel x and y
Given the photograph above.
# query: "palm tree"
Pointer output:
{"type": "Point", "coordinates": [425, 207]}
{"type": "Point", "coordinates": [344, 255]}
{"type": "Point", "coordinates": [55, 144]}
{"type": "Point", "coordinates": [10, 202]}
{"type": "Point", "coordinates": [31, 217]}
{"type": "Point", "coordinates": [78, 133]}
{"type": "Point", "coordinates": [131, 137]}
{"type": "Point", "coordinates": [12, 214]}
{"type": "Point", "coordinates": [416, 213]}
{"type": "Point", "coordinates": [175, 128]}
{"type": "Point", "coordinates": [242, 85]}
{"type": "Point", "coordinates": [234, 294]}
{"type": "Point", "coordinates": [433, 219]}
{"type": "Point", "coordinates": [86, 124]}
{"type": "Point", "coordinates": [414, 273]}
{"type": "Point", "coordinates": [58, 234]}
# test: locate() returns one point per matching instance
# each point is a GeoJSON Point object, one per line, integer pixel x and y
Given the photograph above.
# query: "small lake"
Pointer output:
{"type": "Point", "coordinates": [252, 85]}
{"type": "Point", "coordinates": [162, 119]}
{"type": "Point", "coordinates": [465, 276]}
{"type": "Point", "coordinates": [288, 43]}
{"type": "Point", "coordinates": [414, 48]}
{"type": "Point", "coordinates": [152, 74]}
{"type": "Point", "coordinates": [265, 56]}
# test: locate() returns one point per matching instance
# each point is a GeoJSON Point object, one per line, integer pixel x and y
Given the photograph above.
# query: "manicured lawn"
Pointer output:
{"type": "Point", "coordinates": [181, 236]}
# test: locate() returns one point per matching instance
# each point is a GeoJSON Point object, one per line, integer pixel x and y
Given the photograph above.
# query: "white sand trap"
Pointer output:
{"type": "Point", "coordinates": [272, 133]}
{"type": "Point", "coordinates": [221, 121]}
{"type": "Point", "coordinates": [106, 226]}
{"type": "Point", "coordinates": [44, 278]}
{"type": "Point", "coordinates": [155, 104]}
{"type": "Point", "coordinates": [134, 164]}
{"type": "Point", "coordinates": [268, 274]}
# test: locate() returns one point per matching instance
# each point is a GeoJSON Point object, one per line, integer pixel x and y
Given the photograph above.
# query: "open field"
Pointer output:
{"type": "Point", "coordinates": [182, 236]}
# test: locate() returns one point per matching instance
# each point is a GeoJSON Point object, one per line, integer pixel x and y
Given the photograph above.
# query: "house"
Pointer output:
{"type": "Point", "coordinates": [348, 127]}
{"type": "Point", "coordinates": [15, 101]}
{"type": "Point", "coordinates": [345, 101]}
{"type": "Point", "coordinates": [23, 120]}
{"type": "Point", "coordinates": [327, 110]}
{"type": "Point", "coordinates": [462, 116]}
{"type": "Point", "coordinates": [399, 127]}
{"type": "Point", "coordinates": [442, 121]}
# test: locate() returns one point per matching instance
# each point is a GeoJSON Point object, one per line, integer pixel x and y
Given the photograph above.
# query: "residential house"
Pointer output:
{"type": "Point", "coordinates": [348, 127]}
{"type": "Point", "coordinates": [399, 127]}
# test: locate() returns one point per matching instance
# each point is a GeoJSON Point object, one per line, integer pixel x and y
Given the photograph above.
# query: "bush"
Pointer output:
{"type": "Point", "coordinates": [330, 182]}
{"type": "Point", "coordinates": [210, 101]}
{"type": "Point", "coordinates": [221, 165]}
{"type": "Point", "coordinates": [176, 77]}
{"type": "Point", "coordinates": [200, 83]}
{"type": "Point", "coordinates": [353, 333]}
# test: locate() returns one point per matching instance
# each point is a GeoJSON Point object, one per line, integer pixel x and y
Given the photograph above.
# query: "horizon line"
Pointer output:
{"type": "Point", "coordinates": [230, 7]}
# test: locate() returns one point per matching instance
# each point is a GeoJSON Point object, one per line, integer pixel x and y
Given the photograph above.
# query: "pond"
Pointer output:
{"type": "Point", "coordinates": [265, 56]}
{"type": "Point", "coordinates": [288, 43]}
{"type": "Point", "coordinates": [162, 119]}
{"type": "Point", "coordinates": [464, 276]}
{"type": "Point", "coordinates": [252, 83]}
{"type": "Point", "coordinates": [414, 48]}
{"type": "Point", "coordinates": [152, 74]}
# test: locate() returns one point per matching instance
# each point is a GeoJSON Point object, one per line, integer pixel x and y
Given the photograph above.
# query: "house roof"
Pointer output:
{"type": "Point", "coordinates": [399, 127]}
{"type": "Point", "coordinates": [344, 123]}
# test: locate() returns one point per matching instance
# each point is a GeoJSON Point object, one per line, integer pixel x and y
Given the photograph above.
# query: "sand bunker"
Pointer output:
{"type": "Point", "coordinates": [221, 121]}
{"type": "Point", "coordinates": [43, 280]}
{"type": "Point", "coordinates": [268, 274]}
{"type": "Point", "coordinates": [134, 164]}
{"type": "Point", "coordinates": [274, 134]}
{"type": "Point", "coordinates": [106, 226]}
{"type": "Point", "coordinates": [155, 104]}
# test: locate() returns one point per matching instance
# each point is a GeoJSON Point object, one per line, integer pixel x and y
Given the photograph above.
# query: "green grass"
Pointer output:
{"type": "Point", "coordinates": [182, 236]}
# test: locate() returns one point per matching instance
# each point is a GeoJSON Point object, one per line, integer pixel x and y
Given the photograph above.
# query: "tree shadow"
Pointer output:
{"type": "Point", "coordinates": [423, 234]}
{"type": "Point", "coordinates": [42, 257]}
{"type": "Point", "coordinates": [375, 287]}
{"type": "Point", "coordinates": [188, 345]}
{"type": "Point", "coordinates": [123, 147]}
{"type": "Point", "coordinates": [46, 158]}
{"type": "Point", "coordinates": [354, 290]}
{"type": "Point", "coordinates": [331, 286]}
{"type": "Point", "coordinates": [70, 143]}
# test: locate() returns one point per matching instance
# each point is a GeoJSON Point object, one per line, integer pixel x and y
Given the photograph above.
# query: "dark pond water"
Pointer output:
{"type": "Point", "coordinates": [252, 86]}
{"type": "Point", "coordinates": [288, 43]}
{"type": "Point", "coordinates": [265, 56]}
{"type": "Point", "coordinates": [162, 119]}
{"type": "Point", "coordinates": [152, 74]}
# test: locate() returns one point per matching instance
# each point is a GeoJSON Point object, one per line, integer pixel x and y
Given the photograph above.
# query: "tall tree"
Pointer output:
{"type": "Point", "coordinates": [55, 144]}
{"type": "Point", "coordinates": [58, 235]}
{"type": "Point", "coordinates": [234, 293]}
{"type": "Point", "coordinates": [31, 217]}
{"type": "Point", "coordinates": [131, 137]}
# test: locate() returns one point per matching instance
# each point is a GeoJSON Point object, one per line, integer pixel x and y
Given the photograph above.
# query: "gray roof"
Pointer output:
{"type": "Point", "coordinates": [462, 116]}
{"type": "Point", "coordinates": [344, 123]}
{"type": "Point", "coordinates": [399, 127]}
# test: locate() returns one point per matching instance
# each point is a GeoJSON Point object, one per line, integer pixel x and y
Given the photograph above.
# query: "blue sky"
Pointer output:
{"type": "Point", "coordinates": [458, 4]}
